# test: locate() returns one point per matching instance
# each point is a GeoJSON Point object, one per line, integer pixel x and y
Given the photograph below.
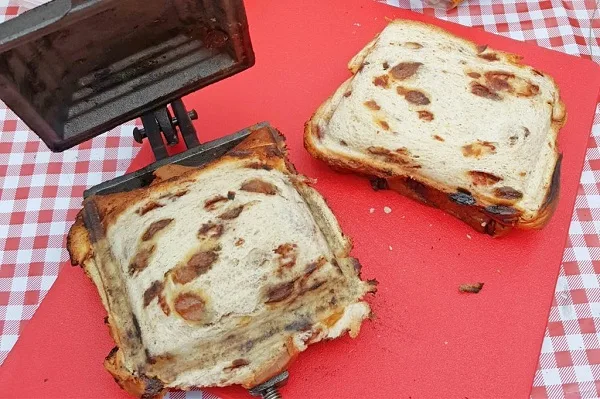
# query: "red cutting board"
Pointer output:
{"type": "Point", "coordinates": [428, 340]}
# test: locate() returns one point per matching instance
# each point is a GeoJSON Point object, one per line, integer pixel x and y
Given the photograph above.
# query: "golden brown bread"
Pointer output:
{"type": "Point", "coordinates": [433, 117]}
{"type": "Point", "coordinates": [179, 317]}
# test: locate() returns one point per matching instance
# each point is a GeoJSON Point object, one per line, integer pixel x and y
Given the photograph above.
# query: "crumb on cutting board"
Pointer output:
{"type": "Point", "coordinates": [471, 288]}
{"type": "Point", "coordinates": [387, 209]}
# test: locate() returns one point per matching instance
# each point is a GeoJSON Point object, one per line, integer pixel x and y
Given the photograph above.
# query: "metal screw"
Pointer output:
{"type": "Point", "coordinates": [268, 389]}
{"type": "Point", "coordinates": [193, 114]}
{"type": "Point", "coordinates": [271, 393]}
{"type": "Point", "coordinates": [139, 134]}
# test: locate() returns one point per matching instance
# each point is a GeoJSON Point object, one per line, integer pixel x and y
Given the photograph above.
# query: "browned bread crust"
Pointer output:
{"type": "Point", "coordinates": [496, 220]}
{"type": "Point", "coordinates": [147, 376]}
{"type": "Point", "coordinates": [137, 385]}
{"type": "Point", "coordinates": [486, 215]}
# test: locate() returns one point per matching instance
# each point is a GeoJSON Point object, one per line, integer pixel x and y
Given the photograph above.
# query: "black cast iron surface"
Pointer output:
{"type": "Point", "coordinates": [72, 70]}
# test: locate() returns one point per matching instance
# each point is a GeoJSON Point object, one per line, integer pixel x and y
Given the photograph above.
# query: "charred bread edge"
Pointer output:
{"type": "Point", "coordinates": [269, 146]}
{"type": "Point", "coordinates": [141, 386]}
{"type": "Point", "coordinates": [107, 278]}
{"type": "Point", "coordinates": [495, 220]}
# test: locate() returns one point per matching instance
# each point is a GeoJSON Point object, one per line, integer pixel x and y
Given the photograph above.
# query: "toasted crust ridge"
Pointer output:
{"type": "Point", "coordinates": [486, 208]}
{"type": "Point", "coordinates": [150, 373]}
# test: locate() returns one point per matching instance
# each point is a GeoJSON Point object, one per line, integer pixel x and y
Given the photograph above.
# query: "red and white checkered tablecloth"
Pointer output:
{"type": "Point", "coordinates": [40, 193]}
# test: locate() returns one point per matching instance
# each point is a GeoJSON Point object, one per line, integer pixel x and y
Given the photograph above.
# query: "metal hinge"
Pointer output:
{"type": "Point", "coordinates": [159, 124]}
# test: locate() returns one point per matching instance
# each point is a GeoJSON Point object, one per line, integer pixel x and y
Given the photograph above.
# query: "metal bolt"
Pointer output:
{"type": "Point", "coordinates": [192, 114]}
{"type": "Point", "coordinates": [268, 389]}
{"type": "Point", "coordinates": [271, 393]}
{"type": "Point", "coordinates": [139, 134]}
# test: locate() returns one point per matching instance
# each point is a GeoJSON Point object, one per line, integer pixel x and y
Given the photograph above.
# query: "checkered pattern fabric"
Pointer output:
{"type": "Point", "coordinates": [40, 193]}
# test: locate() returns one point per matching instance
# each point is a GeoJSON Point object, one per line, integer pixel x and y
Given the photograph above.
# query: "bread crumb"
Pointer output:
{"type": "Point", "coordinates": [356, 24]}
{"type": "Point", "coordinates": [371, 210]}
{"type": "Point", "coordinates": [387, 209]}
{"type": "Point", "coordinates": [390, 247]}
{"type": "Point", "coordinates": [469, 236]}
{"type": "Point", "coordinates": [471, 288]}
{"type": "Point", "coordinates": [445, 342]}
{"type": "Point", "coordinates": [402, 217]}
{"type": "Point", "coordinates": [483, 224]}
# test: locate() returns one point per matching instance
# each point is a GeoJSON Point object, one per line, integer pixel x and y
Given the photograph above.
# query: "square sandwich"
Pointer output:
{"type": "Point", "coordinates": [218, 275]}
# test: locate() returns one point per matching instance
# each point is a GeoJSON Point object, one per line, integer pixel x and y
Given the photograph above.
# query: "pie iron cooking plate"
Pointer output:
{"type": "Point", "coordinates": [72, 70]}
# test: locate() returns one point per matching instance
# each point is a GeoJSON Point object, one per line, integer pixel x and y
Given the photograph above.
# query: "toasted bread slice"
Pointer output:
{"type": "Point", "coordinates": [218, 275]}
{"type": "Point", "coordinates": [452, 124]}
